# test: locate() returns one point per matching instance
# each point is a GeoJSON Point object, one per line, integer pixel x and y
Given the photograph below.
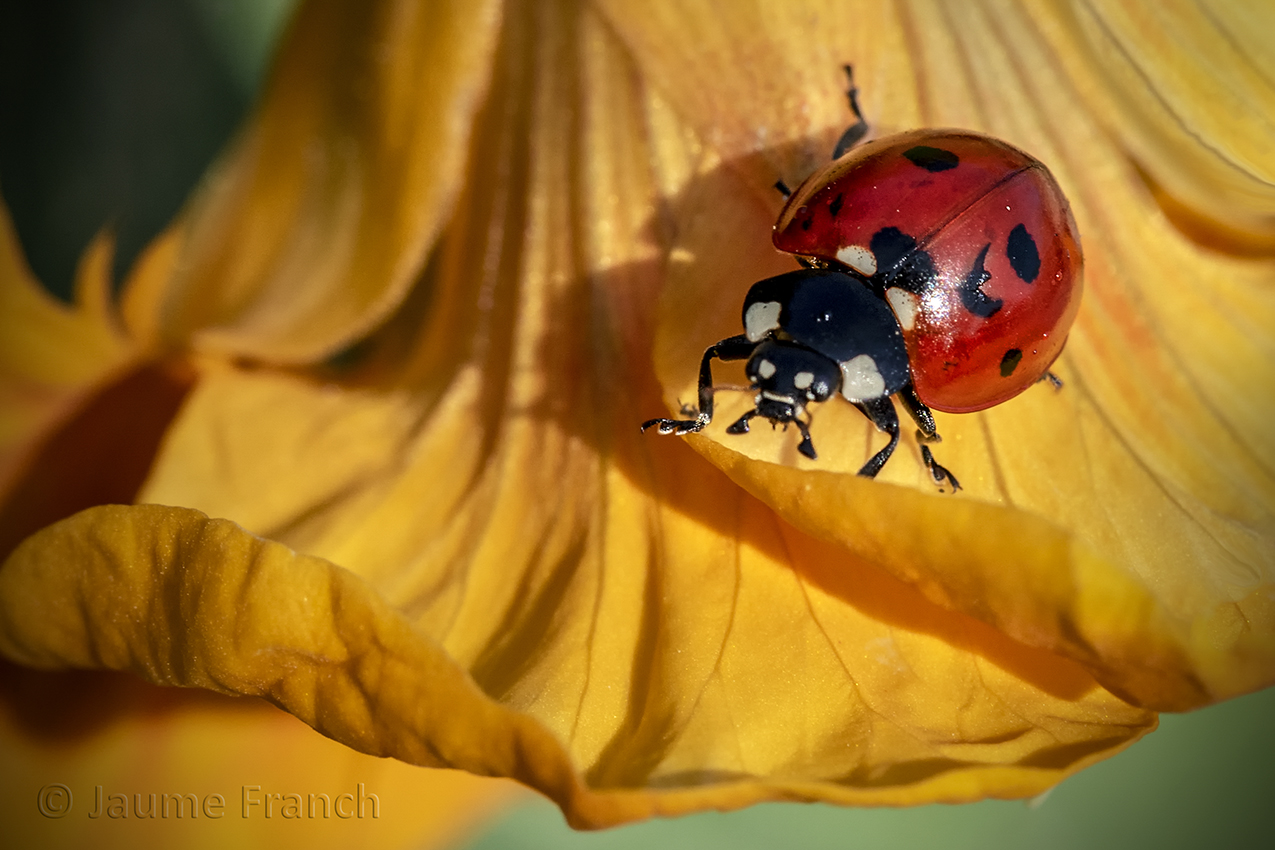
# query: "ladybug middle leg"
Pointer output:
{"type": "Point", "coordinates": [732, 348]}
{"type": "Point", "coordinates": [851, 137]}
{"type": "Point", "coordinates": [881, 412]}
{"type": "Point", "coordinates": [856, 131]}
{"type": "Point", "coordinates": [926, 432]}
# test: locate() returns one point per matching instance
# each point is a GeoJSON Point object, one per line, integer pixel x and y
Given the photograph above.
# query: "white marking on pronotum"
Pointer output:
{"type": "Point", "coordinates": [761, 318]}
{"type": "Point", "coordinates": [765, 369]}
{"type": "Point", "coordinates": [904, 305]}
{"type": "Point", "coordinates": [858, 258]}
{"type": "Point", "coordinates": [803, 380]}
{"type": "Point", "coordinates": [861, 380]}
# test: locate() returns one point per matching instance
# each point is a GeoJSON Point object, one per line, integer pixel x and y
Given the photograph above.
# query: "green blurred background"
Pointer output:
{"type": "Point", "coordinates": [109, 112]}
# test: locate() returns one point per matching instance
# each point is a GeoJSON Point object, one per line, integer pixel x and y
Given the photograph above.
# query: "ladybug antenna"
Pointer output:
{"type": "Point", "coordinates": [852, 92]}
{"type": "Point", "coordinates": [856, 131]}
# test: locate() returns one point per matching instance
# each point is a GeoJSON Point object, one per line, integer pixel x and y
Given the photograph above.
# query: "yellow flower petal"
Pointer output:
{"type": "Point", "coordinates": [333, 195]}
{"type": "Point", "coordinates": [493, 488]}
{"type": "Point", "coordinates": [1188, 88]}
{"type": "Point", "coordinates": [42, 376]}
{"type": "Point", "coordinates": [80, 422]}
{"type": "Point", "coordinates": [91, 731]}
{"type": "Point", "coordinates": [55, 415]}
{"type": "Point", "coordinates": [142, 296]}
{"type": "Point", "coordinates": [184, 600]}
{"type": "Point", "coordinates": [1151, 458]}
{"type": "Point", "coordinates": [538, 591]}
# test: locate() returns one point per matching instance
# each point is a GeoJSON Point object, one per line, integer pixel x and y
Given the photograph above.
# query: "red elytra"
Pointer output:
{"type": "Point", "coordinates": [969, 240]}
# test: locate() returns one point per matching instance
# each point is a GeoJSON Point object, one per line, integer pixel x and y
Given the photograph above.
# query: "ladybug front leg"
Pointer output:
{"type": "Point", "coordinates": [806, 447]}
{"type": "Point", "coordinates": [856, 131]}
{"type": "Point", "coordinates": [732, 348]}
{"type": "Point", "coordinates": [926, 432]}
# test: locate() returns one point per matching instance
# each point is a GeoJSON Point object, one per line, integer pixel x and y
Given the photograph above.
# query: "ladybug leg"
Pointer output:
{"type": "Point", "coordinates": [937, 472]}
{"type": "Point", "coordinates": [806, 447]}
{"type": "Point", "coordinates": [1054, 380]}
{"type": "Point", "coordinates": [855, 133]}
{"type": "Point", "coordinates": [926, 432]}
{"type": "Point", "coordinates": [740, 425]}
{"type": "Point", "coordinates": [881, 412]}
{"type": "Point", "coordinates": [731, 348]}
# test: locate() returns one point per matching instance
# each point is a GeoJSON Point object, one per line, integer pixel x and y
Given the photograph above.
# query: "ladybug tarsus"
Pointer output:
{"type": "Point", "coordinates": [937, 472]}
{"type": "Point", "coordinates": [856, 131]}
{"type": "Point", "coordinates": [783, 189]}
{"type": "Point", "coordinates": [1054, 381]}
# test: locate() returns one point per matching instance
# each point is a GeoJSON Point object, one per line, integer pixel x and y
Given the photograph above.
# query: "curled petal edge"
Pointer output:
{"type": "Point", "coordinates": [184, 600]}
{"type": "Point", "coordinates": [1062, 597]}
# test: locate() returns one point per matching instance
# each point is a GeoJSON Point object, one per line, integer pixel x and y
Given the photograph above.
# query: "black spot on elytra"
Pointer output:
{"type": "Point", "coordinates": [971, 288]}
{"type": "Point", "coordinates": [900, 263]}
{"type": "Point", "coordinates": [1022, 253]}
{"type": "Point", "coordinates": [805, 225]}
{"type": "Point", "coordinates": [835, 206]}
{"type": "Point", "coordinates": [1010, 362]}
{"type": "Point", "coordinates": [932, 159]}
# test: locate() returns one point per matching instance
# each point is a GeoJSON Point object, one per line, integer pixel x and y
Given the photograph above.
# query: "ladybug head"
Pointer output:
{"type": "Point", "coordinates": [787, 376]}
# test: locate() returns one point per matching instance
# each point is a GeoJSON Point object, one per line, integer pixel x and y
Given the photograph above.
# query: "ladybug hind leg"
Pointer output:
{"type": "Point", "coordinates": [938, 472]}
{"type": "Point", "coordinates": [926, 432]}
{"type": "Point", "coordinates": [856, 131]}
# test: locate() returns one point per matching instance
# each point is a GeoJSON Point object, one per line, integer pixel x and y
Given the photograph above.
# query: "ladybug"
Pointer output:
{"type": "Point", "coordinates": [942, 268]}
